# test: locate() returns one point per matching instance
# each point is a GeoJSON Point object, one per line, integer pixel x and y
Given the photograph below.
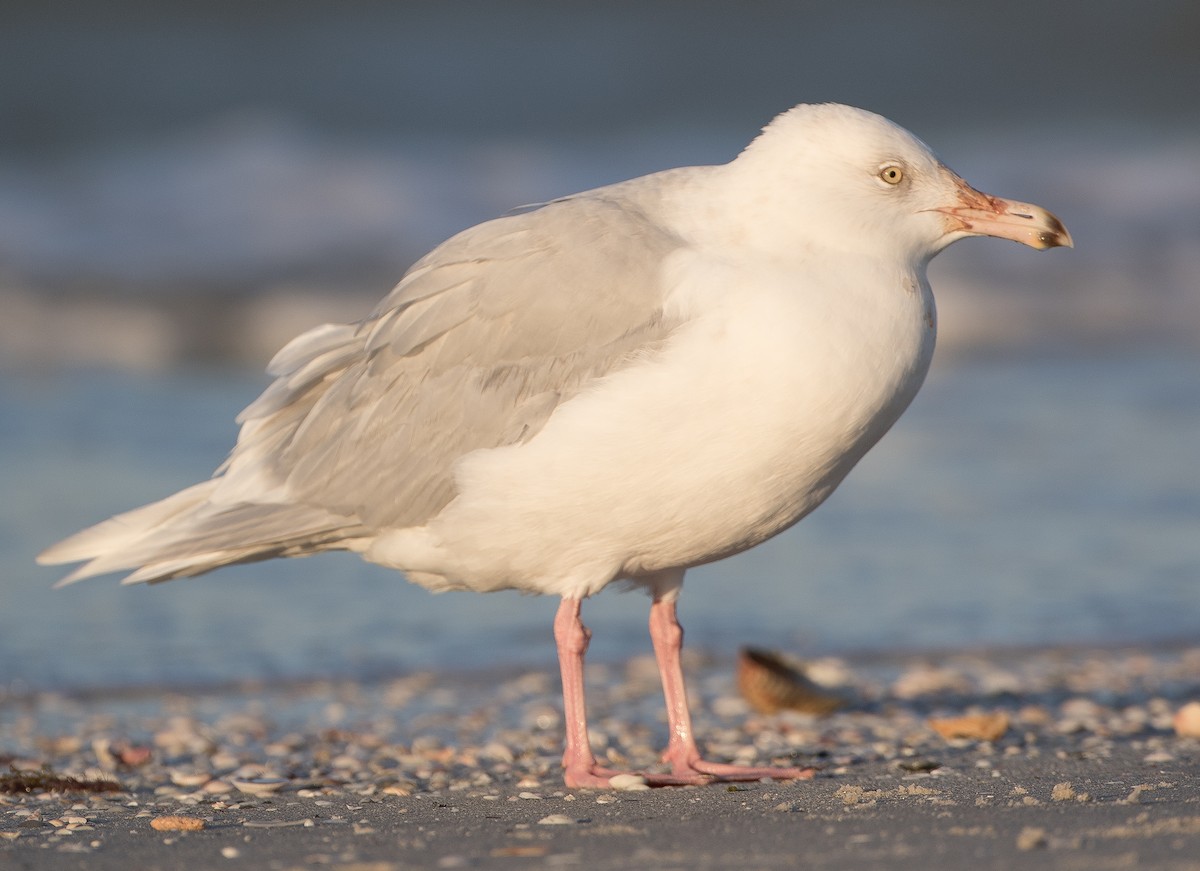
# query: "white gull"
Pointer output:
{"type": "Point", "coordinates": [615, 386]}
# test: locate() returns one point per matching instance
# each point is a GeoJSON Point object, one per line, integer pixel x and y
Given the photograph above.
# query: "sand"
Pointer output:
{"type": "Point", "coordinates": [461, 771]}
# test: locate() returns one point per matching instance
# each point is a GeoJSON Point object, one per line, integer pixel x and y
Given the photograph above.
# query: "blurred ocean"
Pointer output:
{"type": "Point", "coordinates": [184, 187]}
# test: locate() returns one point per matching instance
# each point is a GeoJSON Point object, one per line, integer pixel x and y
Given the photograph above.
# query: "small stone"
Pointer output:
{"type": "Point", "coordinates": [525, 851]}
{"type": "Point", "coordinates": [1032, 838]}
{"type": "Point", "coordinates": [1062, 792]}
{"type": "Point", "coordinates": [230, 852]}
{"type": "Point", "coordinates": [101, 747]}
{"type": "Point", "coordinates": [850, 794]}
{"type": "Point", "coordinates": [277, 824]}
{"type": "Point", "coordinates": [628, 783]}
{"type": "Point", "coordinates": [222, 759]}
{"type": "Point", "coordinates": [133, 755]}
{"type": "Point", "coordinates": [927, 679]}
{"type": "Point", "coordinates": [174, 823]}
{"type": "Point", "coordinates": [496, 750]}
{"type": "Point", "coordinates": [1135, 794]}
{"type": "Point", "coordinates": [556, 820]}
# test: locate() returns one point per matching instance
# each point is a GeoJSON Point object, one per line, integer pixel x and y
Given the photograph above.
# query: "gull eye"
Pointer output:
{"type": "Point", "coordinates": [892, 174]}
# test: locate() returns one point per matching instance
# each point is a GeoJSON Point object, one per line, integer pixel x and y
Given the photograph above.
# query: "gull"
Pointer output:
{"type": "Point", "coordinates": [614, 386]}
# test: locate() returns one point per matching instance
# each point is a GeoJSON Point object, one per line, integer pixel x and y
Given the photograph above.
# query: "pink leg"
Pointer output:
{"type": "Point", "coordinates": [581, 769]}
{"type": "Point", "coordinates": [682, 753]}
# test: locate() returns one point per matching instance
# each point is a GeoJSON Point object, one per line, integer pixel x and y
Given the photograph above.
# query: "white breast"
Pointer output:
{"type": "Point", "coordinates": [754, 413]}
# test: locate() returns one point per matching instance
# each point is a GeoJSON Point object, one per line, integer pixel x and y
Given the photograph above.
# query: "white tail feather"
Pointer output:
{"type": "Point", "coordinates": [186, 534]}
{"type": "Point", "coordinates": [124, 530]}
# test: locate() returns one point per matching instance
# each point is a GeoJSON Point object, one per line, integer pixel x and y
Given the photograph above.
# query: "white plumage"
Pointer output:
{"type": "Point", "coordinates": [617, 385]}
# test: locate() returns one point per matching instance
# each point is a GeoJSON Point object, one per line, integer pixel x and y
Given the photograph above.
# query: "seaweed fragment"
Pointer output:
{"type": "Point", "coordinates": [46, 780]}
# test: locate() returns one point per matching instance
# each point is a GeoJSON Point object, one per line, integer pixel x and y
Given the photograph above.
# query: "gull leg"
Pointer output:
{"type": "Point", "coordinates": [580, 767]}
{"type": "Point", "coordinates": [682, 752]}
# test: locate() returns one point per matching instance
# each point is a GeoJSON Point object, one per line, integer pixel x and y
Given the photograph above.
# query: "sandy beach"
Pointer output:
{"type": "Point", "coordinates": [461, 771]}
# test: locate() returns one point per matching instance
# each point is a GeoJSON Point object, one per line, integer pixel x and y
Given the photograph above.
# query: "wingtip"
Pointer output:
{"type": "Point", "coordinates": [51, 556]}
{"type": "Point", "coordinates": [74, 577]}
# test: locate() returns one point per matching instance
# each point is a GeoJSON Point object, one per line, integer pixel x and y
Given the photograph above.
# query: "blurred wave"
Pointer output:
{"type": "Point", "coordinates": [184, 183]}
{"type": "Point", "coordinates": [1038, 501]}
{"type": "Point", "coordinates": [200, 183]}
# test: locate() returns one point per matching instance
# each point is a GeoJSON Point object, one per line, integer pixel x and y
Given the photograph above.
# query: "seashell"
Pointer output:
{"type": "Point", "coordinates": [770, 684]}
{"type": "Point", "coordinates": [981, 727]}
{"type": "Point", "coordinates": [1187, 721]}
{"type": "Point", "coordinates": [185, 777]}
{"type": "Point", "coordinates": [259, 785]}
{"type": "Point", "coordinates": [628, 783]}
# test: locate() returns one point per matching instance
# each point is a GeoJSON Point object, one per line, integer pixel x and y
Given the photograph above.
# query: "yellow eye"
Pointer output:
{"type": "Point", "coordinates": [892, 174]}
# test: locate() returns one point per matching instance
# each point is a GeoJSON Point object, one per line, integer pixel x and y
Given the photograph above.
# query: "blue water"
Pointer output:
{"type": "Point", "coordinates": [183, 188]}
{"type": "Point", "coordinates": [202, 158]}
{"type": "Point", "coordinates": [1020, 501]}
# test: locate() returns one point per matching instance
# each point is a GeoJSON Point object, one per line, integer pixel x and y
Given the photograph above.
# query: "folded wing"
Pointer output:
{"type": "Point", "coordinates": [361, 430]}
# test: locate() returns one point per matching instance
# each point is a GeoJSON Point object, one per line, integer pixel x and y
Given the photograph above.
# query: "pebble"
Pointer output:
{"type": "Point", "coordinates": [397, 742]}
{"type": "Point", "coordinates": [1032, 838]}
{"type": "Point", "coordinates": [1062, 792]}
{"type": "Point", "coordinates": [628, 783]}
{"type": "Point", "coordinates": [556, 820]}
{"type": "Point", "coordinates": [175, 823]}
{"type": "Point", "coordinates": [278, 824]}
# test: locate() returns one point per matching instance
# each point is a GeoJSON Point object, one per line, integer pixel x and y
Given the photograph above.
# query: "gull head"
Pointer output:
{"type": "Point", "coordinates": [851, 180]}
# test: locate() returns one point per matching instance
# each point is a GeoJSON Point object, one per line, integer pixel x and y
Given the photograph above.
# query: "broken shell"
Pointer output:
{"type": "Point", "coordinates": [1187, 721]}
{"type": "Point", "coordinates": [981, 727]}
{"type": "Point", "coordinates": [259, 785]}
{"type": "Point", "coordinates": [183, 777]}
{"type": "Point", "coordinates": [770, 684]}
{"type": "Point", "coordinates": [133, 755]}
{"type": "Point", "coordinates": [177, 824]}
{"type": "Point", "coordinates": [628, 783]}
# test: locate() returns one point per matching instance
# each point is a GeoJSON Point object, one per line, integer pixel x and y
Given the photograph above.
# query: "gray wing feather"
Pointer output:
{"type": "Point", "coordinates": [475, 348]}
